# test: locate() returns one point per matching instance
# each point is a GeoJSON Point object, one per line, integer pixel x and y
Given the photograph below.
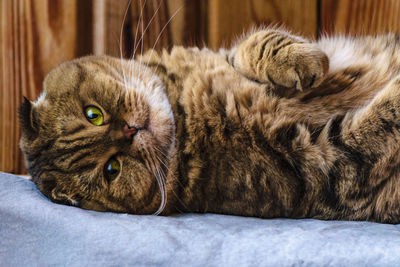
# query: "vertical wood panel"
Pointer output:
{"type": "Point", "coordinates": [189, 26]}
{"type": "Point", "coordinates": [108, 18]}
{"type": "Point", "coordinates": [360, 17]}
{"type": "Point", "coordinates": [8, 139]}
{"type": "Point", "coordinates": [149, 28]}
{"type": "Point", "coordinates": [228, 19]}
{"type": "Point", "coordinates": [133, 18]}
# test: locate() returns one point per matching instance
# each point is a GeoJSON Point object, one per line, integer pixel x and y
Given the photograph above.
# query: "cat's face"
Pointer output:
{"type": "Point", "coordinates": [101, 136]}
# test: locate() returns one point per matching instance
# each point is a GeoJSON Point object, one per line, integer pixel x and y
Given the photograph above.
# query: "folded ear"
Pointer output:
{"type": "Point", "coordinates": [47, 184]}
{"type": "Point", "coordinates": [61, 197]}
{"type": "Point", "coordinates": [27, 119]}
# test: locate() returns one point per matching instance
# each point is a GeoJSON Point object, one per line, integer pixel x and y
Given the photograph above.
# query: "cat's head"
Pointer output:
{"type": "Point", "coordinates": [101, 136]}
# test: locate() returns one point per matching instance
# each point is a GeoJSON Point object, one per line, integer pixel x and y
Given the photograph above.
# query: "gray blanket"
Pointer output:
{"type": "Point", "coordinates": [37, 232]}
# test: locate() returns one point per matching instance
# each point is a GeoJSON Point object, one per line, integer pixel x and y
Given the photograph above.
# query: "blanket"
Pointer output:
{"type": "Point", "coordinates": [36, 232]}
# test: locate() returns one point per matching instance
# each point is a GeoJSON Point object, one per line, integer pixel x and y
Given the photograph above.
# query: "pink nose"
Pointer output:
{"type": "Point", "coordinates": [130, 131]}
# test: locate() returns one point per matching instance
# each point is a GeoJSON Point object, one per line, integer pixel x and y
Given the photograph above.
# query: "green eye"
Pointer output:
{"type": "Point", "coordinates": [94, 115]}
{"type": "Point", "coordinates": [112, 169]}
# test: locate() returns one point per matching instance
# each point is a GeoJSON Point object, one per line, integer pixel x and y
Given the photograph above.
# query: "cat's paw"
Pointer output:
{"type": "Point", "coordinates": [281, 59]}
{"type": "Point", "coordinates": [300, 66]}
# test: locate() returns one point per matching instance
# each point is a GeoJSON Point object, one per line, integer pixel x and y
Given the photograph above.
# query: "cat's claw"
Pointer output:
{"type": "Point", "coordinates": [303, 66]}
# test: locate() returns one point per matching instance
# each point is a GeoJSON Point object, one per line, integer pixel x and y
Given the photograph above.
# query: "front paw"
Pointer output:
{"type": "Point", "coordinates": [281, 59]}
{"type": "Point", "coordinates": [300, 66]}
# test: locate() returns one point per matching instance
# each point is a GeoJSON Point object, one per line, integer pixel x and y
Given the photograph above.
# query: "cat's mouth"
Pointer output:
{"type": "Point", "coordinates": [130, 131]}
{"type": "Point", "coordinates": [141, 135]}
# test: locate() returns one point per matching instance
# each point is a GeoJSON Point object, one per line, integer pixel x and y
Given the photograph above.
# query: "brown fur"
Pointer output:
{"type": "Point", "coordinates": [275, 127]}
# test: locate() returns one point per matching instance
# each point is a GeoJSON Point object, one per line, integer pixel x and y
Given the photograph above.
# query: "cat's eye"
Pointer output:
{"type": "Point", "coordinates": [112, 169]}
{"type": "Point", "coordinates": [94, 115]}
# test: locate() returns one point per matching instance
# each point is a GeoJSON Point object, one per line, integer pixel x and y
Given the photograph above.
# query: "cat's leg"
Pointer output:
{"type": "Point", "coordinates": [366, 175]}
{"type": "Point", "coordinates": [376, 127]}
{"type": "Point", "coordinates": [277, 57]}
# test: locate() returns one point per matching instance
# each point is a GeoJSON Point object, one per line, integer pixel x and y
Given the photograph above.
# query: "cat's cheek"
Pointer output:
{"type": "Point", "coordinates": [143, 139]}
{"type": "Point", "coordinates": [162, 129]}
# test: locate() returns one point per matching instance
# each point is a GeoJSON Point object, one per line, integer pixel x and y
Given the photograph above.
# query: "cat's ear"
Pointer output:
{"type": "Point", "coordinates": [58, 196]}
{"type": "Point", "coordinates": [27, 119]}
{"type": "Point", "coordinates": [47, 184]}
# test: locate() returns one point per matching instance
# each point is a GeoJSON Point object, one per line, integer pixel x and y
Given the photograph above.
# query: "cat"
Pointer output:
{"type": "Point", "coordinates": [277, 126]}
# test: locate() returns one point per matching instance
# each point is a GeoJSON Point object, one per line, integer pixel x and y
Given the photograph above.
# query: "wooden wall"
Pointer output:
{"type": "Point", "coordinates": [36, 35]}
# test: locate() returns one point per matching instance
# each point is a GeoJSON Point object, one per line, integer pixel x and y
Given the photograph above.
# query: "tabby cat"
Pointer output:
{"type": "Point", "coordinates": [277, 126]}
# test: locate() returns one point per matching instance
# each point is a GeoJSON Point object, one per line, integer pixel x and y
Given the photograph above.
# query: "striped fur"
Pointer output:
{"type": "Point", "coordinates": [278, 126]}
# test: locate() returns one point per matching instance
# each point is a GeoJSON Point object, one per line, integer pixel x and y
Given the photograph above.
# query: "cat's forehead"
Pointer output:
{"type": "Point", "coordinates": [70, 75]}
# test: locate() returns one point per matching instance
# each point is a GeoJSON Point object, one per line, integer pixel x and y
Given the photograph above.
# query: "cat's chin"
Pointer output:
{"type": "Point", "coordinates": [143, 139]}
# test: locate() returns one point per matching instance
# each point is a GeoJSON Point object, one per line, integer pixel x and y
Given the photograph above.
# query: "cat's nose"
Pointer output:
{"type": "Point", "coordinates": [129, 131]}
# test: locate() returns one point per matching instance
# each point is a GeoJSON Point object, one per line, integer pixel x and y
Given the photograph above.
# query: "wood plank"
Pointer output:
{"type": "Point", "coordinates": [228, 20]}
{"type": "Point", "coordinates": [35, 37]}
{"type": "Point", "coordinates": [150, 26]}
{"type": "Point", "coordinates": [361, 17]}
{"type": "Point", "coordinates": [108, 19]}
{"type": "Point", "coordinates": [189, 24]}
{"type": "Point", "coordinates": [136, 19]}
{"type": "Point", "coordinates": [8, 50]}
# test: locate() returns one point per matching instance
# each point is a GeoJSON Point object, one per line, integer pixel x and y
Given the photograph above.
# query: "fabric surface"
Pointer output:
{"type": "Point", "coordinates": [37, 232]}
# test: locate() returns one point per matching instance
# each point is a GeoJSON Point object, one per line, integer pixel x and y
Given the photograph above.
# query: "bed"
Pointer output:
{"type": "Point", "coordinates": [36, 232]}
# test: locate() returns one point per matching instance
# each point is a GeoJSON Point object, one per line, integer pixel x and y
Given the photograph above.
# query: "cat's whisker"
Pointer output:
{"type": "Point", "coordinates": [161, 32]}
{"type": "Point", "coordinates": [161, 177]}
{"type": "Point", "coordinates": [166, 142]}
{"type": "Point", "coordinates": [155, 169]}
{"type": "Point", "coordinates": [144, 32]}
{"type": "Point", "coordinates": [161, 152]}
{"type": "Point", "coordinates": [168, 169]}
{"type": "Point", "coordinates": [140, 41]}
{"type": "Point", "coordinates": [164, 156]}
{"type": "Point", "coordinates": [161, 183]}
{"type": "Point", "coordinates": [174, 178]}
{"type": "Point", "coordinates": [131, 65]}
{"type": "Point", "coordinates": [137, 27]}
{"type": "Point", "coordinates": [120, 45]}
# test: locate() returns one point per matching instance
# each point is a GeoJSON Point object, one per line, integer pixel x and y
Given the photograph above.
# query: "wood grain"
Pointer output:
{"type": "Point", "coordinates": [108, 20]}
{"type": "Point", "coordinates": [361, 17]}
{"type": "Point", "coordinates": [228, 19]}
{"type": "Point", "coordinates": [189, 22]}
{"type": "Point", "coordinates": [121, 27]}
{"type": "Point", "coordinates": [149, 26]}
